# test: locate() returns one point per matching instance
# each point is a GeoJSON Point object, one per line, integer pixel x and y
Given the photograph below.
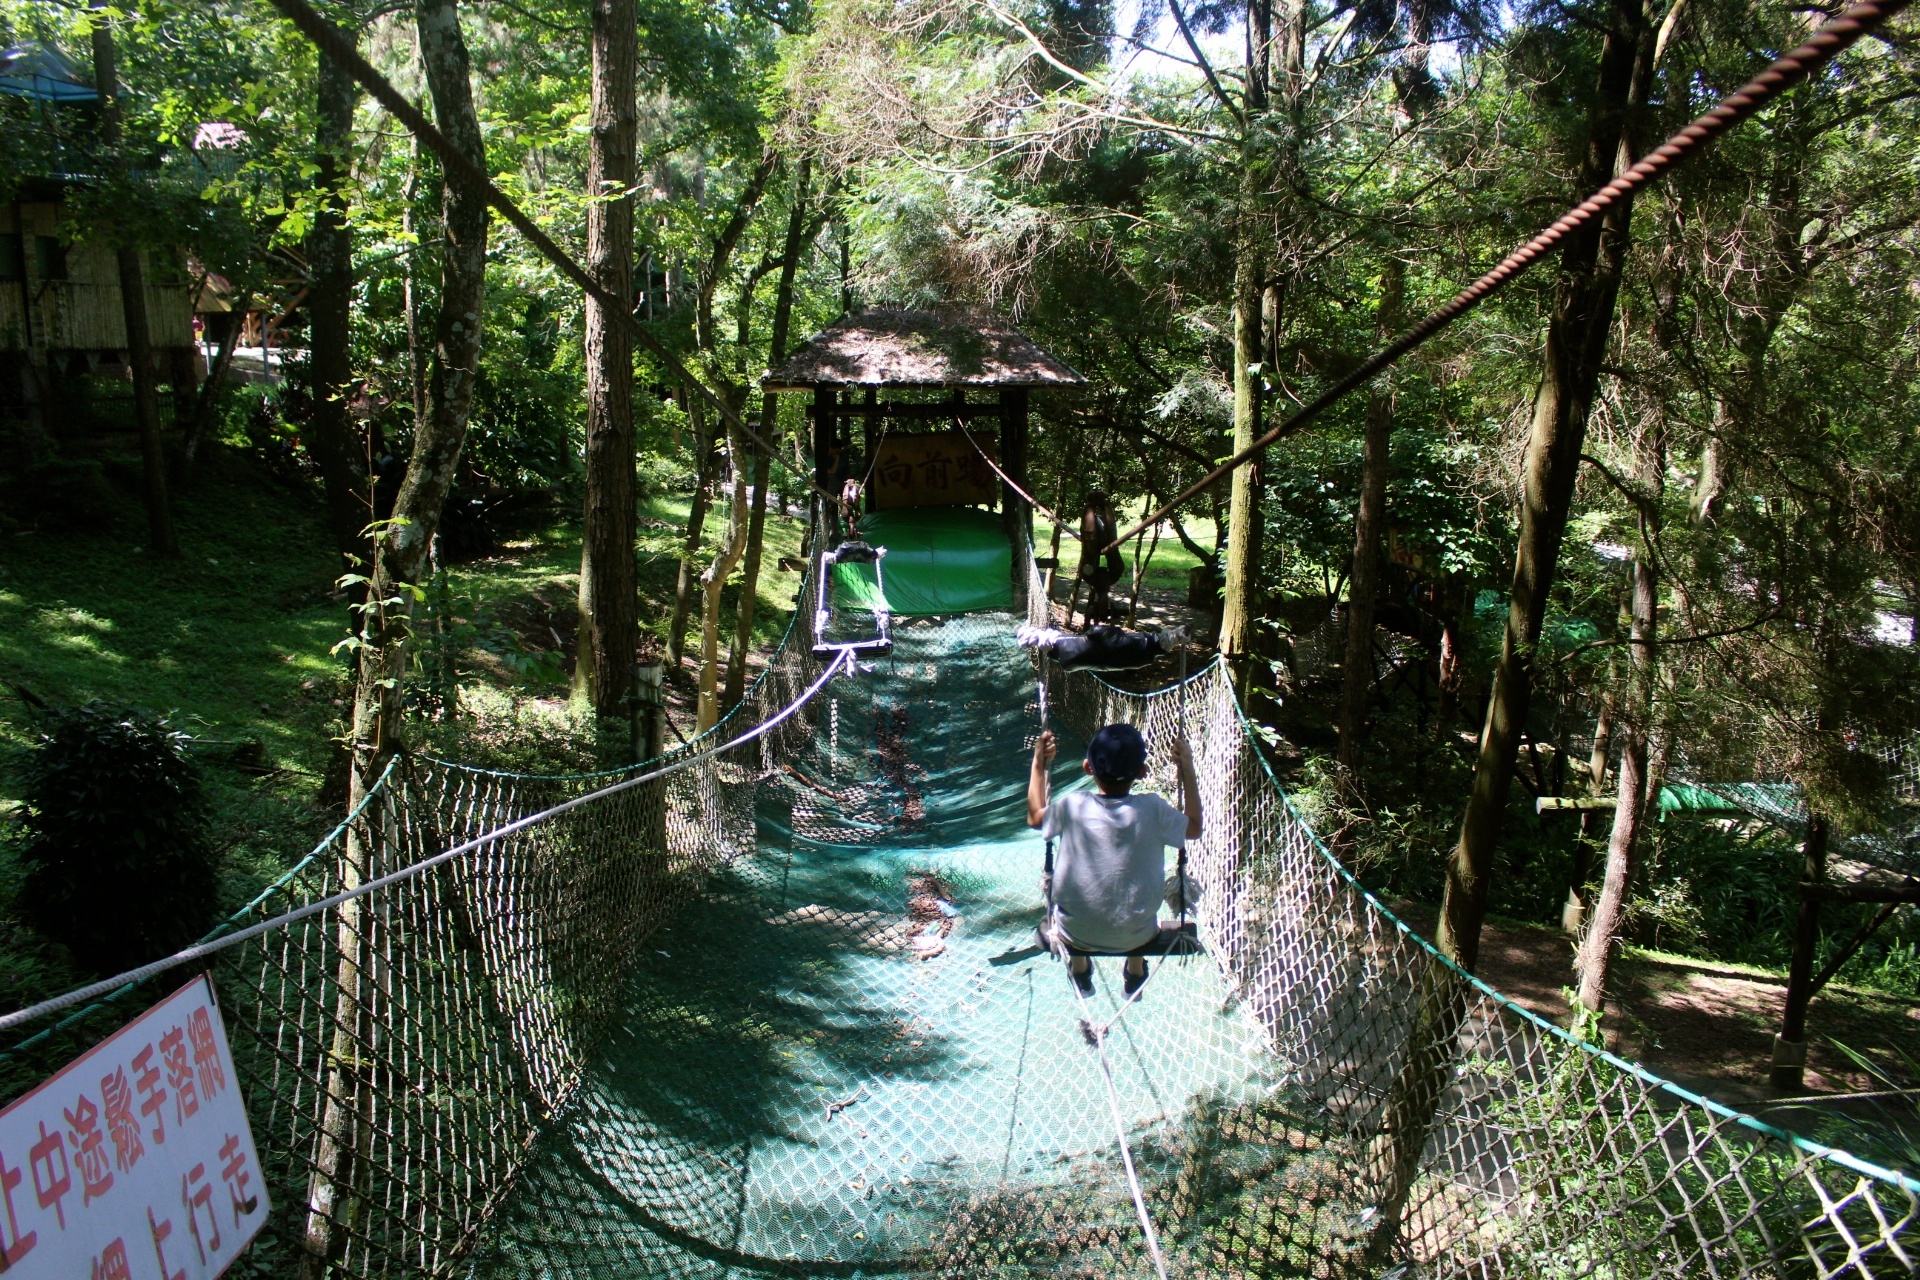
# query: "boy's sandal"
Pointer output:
{"type": "Point", "coordinates": [1136, 980]}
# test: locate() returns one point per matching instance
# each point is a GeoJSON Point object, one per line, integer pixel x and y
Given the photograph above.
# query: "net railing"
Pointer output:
{"type": "Point", "coordinates": [401, 1052]}
{"type": "Point", "coordinates": [1451, 1130]}
{"type": "Point", "coordinates": [405, 1054]}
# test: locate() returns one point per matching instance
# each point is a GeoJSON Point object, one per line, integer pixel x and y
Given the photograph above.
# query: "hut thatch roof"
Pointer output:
{"type": "Point", "coordinates": [919, 349]}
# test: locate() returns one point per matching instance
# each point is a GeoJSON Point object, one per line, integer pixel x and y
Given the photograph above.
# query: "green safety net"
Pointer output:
{"type": "Point", "coordinates": [720, 1024]}
{"type": "Point", "coordinates": [940, 561]}
{"type": "Point", "coordinates": [820, 1065]}
{"type": "Point", "coordinates": [1727, 797]}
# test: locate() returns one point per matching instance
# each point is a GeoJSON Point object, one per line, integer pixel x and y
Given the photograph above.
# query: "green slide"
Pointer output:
{"type": "Point", "coordinates": [939, 560]}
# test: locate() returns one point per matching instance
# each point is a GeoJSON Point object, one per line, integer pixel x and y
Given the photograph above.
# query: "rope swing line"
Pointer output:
{"type": "Point", "coordinates": [1095, 1032]}
{"type": "Point", "coordinates": [1784, 73]}
{"type": "Point", "coordinates": [1031, 501]}
{"type": "Point", "coordinates": [201, 950]}
{"type": "Point", "coordinates": [1096, 1036]}
{"type": "Point", "coordinates": [336, 46]}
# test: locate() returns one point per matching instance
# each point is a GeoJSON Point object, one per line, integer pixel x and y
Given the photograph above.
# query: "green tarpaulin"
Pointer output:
{"type": "Point", "coordinates": [939, 560]}
{"type": "Point", "coordinates": [1762, 799]}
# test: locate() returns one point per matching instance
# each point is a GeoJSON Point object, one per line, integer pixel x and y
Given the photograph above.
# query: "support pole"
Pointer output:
{"type": "Point", "coordinates": [649, 711]}
{"type": "Point", "coordinates": [1851, 947]}
{"type": "Point", "coordinates": [867, 437]}
{"type": "Point", "coordinates": [825, 400]}
{"type": "Point", "coordinates": [1790, 1046]}
{"type": "Point", "coordinates": [650, 743]}
{"type": "Point", "coordinates": [1014, 511]}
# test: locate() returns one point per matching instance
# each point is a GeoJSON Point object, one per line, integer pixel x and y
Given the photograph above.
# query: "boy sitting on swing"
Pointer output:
{"type": "Point", "coordinates": [1111, 863]}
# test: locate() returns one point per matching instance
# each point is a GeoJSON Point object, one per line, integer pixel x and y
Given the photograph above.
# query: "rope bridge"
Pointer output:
{"type": "Point", "coordinates": [772, 1008]}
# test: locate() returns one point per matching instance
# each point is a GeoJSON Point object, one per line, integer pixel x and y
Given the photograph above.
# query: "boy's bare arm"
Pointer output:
{"type": "Point", "coordinates": [1037, 781]}
{"type": "Point", "coordinates": [1189, 788]}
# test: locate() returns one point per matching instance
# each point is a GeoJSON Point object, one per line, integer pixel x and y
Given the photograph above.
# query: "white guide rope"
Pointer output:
{"type": "Point", "coordinates": [1096, 1035]}
{"type": "Point", "coordinates": [203, 949]}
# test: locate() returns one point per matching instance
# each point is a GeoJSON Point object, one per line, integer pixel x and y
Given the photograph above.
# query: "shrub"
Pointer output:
{"type": "Point", "coordinates": [117, 862]}
{"type": "Point", "coordinates": [63, 494]}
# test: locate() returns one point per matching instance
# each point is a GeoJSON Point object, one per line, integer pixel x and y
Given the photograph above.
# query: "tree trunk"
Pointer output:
{"type": "Point", "coordinates": [1788, 1072]}
{"type": "Point", "coordinates": [1448, 674]}
{"type": "Point", "coordinates": [410, 294]}
{"type": "Point", "coordinates": [211, 387]}
{"type": "Point", "coordinates": [400, 554]}
{"type": "Point", "coordinates": [704, 339]}
{"type": "Point", "coordinates": [1243, 546]}
{"type": "Point", "coordinates": [1416, 90]}
{"type": "Point", "coordinates": [706, 466]}
{"type": "Point", "coordinates": [1576, 341]}
{"type": "Point", "coordinates": [748, 597]}
{"type": "Point", "coordinates": [133, 310]}
{"type": "Point", "coordinates": [713, 585]}
{"type": "Point", "coordinates": [1573, 912]}
{"type": "Point", "coordinates": [790, 254]}
{"type": "Point", "coordinates": [723, 247]}
{"type": "Point", "coordinates": [609, 600]}
{"type": "Point", "coordinates": [1712, 484]}
{"type": "Point", "coordinates": [1629, 812]}
{"type": "Point", "coordinates": [343, 467]}
{"type": "Point", "coordinates": [1369, 531]}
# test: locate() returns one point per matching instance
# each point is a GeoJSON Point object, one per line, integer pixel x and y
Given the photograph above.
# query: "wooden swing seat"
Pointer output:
{"type": "Point", "coordinates": [1174, 940]}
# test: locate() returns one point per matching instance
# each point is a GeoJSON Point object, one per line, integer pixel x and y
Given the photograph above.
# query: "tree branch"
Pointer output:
{"type": "Point", "coordinates": [1206, 68]}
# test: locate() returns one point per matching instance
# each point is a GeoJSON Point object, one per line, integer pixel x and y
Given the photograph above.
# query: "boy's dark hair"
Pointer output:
{"type": "Point", "coordinates": [1117, 755]}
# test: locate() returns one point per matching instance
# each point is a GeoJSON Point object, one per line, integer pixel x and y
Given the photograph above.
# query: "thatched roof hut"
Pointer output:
{"type": "Point", "coordinates": [920, 349]}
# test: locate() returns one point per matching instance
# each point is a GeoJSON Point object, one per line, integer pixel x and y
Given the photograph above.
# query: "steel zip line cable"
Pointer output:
{"type": "Point", "coordinates": [1821, 47]}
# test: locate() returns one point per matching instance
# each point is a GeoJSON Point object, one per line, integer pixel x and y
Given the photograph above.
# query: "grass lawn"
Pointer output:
{"type": "Point", "coordinates": [225, 637]}
{"type": "Point", "coordinates": [1164, 576]}
{"type": "Point", "coordinates": [233, 641]}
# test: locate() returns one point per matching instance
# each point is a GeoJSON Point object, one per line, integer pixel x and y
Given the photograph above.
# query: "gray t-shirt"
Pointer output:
{"type": "Point", "coordinates": [1110, 865]}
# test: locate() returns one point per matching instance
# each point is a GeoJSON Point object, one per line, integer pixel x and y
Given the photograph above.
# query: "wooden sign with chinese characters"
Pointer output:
{"type": "Point", "coordinates": [136, 1161]}
{"type": "Point", "coordinates": [933, 469]}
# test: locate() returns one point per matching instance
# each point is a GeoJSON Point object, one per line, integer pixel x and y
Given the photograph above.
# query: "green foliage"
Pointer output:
{"type": "Point", "coordinates": [119, 867]}
{"type": "Point", "coordinates": [1881, 1129]}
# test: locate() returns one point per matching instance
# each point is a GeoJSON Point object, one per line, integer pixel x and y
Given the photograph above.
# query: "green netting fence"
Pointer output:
{"type": "Point", "coordinates": [779, 1014]}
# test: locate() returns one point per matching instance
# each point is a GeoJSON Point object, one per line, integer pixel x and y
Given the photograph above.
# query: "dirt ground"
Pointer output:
{"type": "Point", "coordinates": [1706, 1028]}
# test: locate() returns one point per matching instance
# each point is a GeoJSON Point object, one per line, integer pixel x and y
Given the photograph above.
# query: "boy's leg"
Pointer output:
{"type": "Point", "coordinates": [1080, 969]}
{"type": "Point", "coordinates": [1136, 966]}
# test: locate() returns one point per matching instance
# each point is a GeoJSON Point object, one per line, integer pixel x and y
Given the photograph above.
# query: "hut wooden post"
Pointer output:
{"type": "Point", "coordinates": [1014, 510]}
{"type": "Point", "coordinates": [825, 401]}
{"type": "Point", "coordinates": [868, 438]}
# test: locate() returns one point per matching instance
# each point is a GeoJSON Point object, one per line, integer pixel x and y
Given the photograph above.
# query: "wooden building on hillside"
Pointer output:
{"type": "Point", "coordinates": [61, 314]}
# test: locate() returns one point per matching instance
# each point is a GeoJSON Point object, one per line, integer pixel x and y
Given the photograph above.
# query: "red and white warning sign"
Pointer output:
{"type": "Point", "coordinates": [135, 1162]}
